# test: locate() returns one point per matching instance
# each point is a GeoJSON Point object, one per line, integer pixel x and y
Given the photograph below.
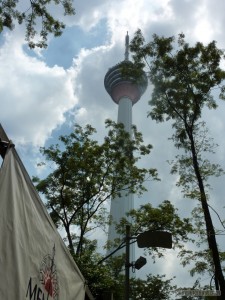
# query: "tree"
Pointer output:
{"type": "Point", "coordinates": [201, 257]}
{"type": "Point", "coordinates": [36, 15]}
{"type": "Point", "coordinates": [154, 287]}
{"type": "Point", "coordinates": [183, 79]}
{"type": "Point", "coordinates": [108, 278]}
{"type": "Point", "coordinates": [102, 279]}
{"type": "Point", "coordinates": [149, 218]}
{"type": "Point", "coordinates": [161, 218]}
{"type": "Point", "coordinates": [87, 173]}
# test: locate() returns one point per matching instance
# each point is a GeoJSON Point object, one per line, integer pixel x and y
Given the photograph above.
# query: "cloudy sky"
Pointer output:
{"type": "Point", "coordinates": [44, 92]}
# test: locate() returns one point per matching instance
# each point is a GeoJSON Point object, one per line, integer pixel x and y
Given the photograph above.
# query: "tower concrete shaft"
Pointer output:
{"type": "Point", "coordinates": [123, 204]}
{"type": "Point", "coordinates": [125, 91]}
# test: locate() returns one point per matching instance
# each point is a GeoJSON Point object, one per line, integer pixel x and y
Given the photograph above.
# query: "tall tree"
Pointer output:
{"type": "Point", "coordinates": [37, 17]}
{"type": "Point", "coordinates": [87, 173]}
{"type": "Point", "coordinates": [183, 79]}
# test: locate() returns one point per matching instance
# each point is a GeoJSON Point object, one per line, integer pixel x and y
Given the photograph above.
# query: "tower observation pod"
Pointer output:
{"type": "Point", "coordinates": [125, 92]}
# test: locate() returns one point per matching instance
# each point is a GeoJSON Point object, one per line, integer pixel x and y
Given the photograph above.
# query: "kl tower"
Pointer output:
{"type": "Point", "coordinates": [125, 92]}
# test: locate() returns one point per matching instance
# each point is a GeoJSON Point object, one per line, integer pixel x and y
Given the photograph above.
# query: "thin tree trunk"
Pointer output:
{"type": "Point", "coordinates": [70, 240]}
{"type": "Point", "coordinates": [211, 237]}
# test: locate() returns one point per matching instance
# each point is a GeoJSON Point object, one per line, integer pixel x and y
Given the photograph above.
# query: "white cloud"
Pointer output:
{"type": "Point", "coordinates": [34, 96]}
{"type": "Point", "coordinates": [93, 99]}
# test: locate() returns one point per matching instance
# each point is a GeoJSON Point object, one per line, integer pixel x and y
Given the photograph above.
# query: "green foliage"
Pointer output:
{"type": "Point", "coordinates": [201, 261]}
{"type": "Point", "coordinates": [201, 257]}
{"type": "Point", "coordinates": [183, 76]}
{"type": "Point", "coordinates": [165, 218]}
{"type": "Point", "coordinates": [183, 164]}
{"type": "Point", "coordinates": [154, 287]}
{"type": "Point", "coordinates": [86, 173]}
{"type": "Point", "coordinates": [100, 278]}
{"type": "Point", "coordinates": [37, 12]}
{"type": "Point", "coordinates": [108, 278]}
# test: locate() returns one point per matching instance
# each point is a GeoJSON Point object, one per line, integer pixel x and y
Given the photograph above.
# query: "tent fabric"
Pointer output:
{"type": "Point", "coordinates": [34, 262]}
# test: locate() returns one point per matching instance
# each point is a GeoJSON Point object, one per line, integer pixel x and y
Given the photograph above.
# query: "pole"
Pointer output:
{"type": "Point", "coordinates": [127, 264]}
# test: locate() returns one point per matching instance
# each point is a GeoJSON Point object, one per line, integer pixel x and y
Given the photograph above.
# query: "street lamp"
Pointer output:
{"type": "Point", "coordinates": [140, 262]}
{"type": "Point", "coordinates": [146, 239]}
{"type": "Point", "coordinates": [156, 238]}
{"type": "Point", "coordinates": [150, 238]}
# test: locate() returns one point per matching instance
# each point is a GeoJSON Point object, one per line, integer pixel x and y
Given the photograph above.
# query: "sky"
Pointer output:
{"type": "Point", "coordinates": [44, 92]}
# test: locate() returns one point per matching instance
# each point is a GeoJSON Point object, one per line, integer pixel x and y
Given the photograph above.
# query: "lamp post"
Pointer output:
{"type": "Point", "coordinates": [146, 239]}
{"type": "Point", "coordinates": [127, 264]}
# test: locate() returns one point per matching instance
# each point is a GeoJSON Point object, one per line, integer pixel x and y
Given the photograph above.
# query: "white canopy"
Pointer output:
{"type": "Point", "coordinates": [34, 262]}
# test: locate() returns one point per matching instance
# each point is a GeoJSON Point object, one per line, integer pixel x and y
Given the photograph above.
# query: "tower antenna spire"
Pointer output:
{"type": "Point", "coordinates": [127, 47]}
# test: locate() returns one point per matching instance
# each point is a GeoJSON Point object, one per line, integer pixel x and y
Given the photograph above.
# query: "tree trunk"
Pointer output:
{"type": "Point", "coordinates": [211, 237]}
{"type": "Point", "coordinates": [70, 240]}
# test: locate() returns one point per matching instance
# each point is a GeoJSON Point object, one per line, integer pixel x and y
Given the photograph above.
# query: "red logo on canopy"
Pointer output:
{"type": "Point", "coordinates": [48, 275]}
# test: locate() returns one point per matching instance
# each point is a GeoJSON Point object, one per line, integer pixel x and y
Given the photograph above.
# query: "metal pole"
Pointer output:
{"type": "Point", "coordinates": [127, 264]}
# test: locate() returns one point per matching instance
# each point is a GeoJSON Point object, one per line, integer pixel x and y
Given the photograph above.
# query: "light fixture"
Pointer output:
{"type": "Point", "coordinates": [140, 262]}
